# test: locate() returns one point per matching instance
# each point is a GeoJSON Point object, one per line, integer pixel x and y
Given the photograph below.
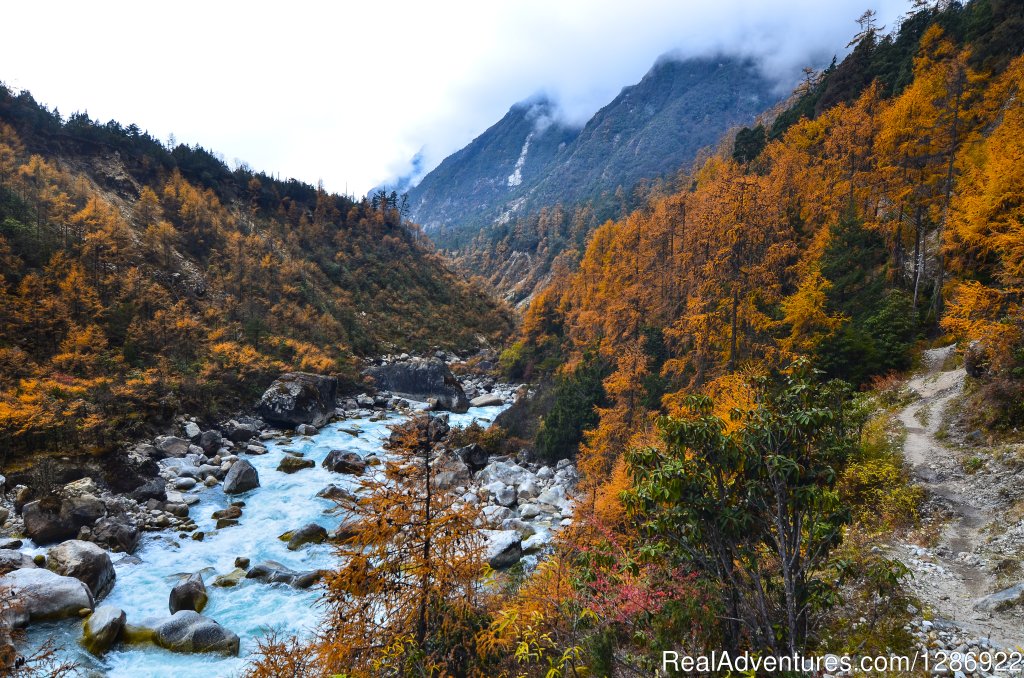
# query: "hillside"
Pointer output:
{"type": "Point", "coordinates": [137, 281]}
{"type": "Point", "coordinates": [495, 174]}
{"type": "Point", "coordinates": [728, 365]}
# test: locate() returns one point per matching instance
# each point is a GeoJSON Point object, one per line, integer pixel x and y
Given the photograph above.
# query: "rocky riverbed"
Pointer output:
{"type": "Point", "coordinates": [227, 539]}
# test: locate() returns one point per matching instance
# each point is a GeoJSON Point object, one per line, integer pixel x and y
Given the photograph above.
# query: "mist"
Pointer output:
{"type": "Point", "coordinates": [360, 94]}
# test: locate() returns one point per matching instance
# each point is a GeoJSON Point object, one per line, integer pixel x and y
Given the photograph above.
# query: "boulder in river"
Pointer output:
{"type": "Point", "coordinates": [84, 561]}
{"type": "Point", "coordinates": [503, 548]}
{"type": "Point", "coordinates": [421, 380]}
{"type": "Point", "coordinates": [340, 461]}
{"type": "Point", "coordinates": [11, 560]}
{"type": "Point", "coordinates": [486, 400]}
{"type": "Point", "coordinates": [102, 628]}
{"type": "Point", "coordinates": [335, 493]}
{"type": "Point", "coordinates": [47, 595]}
{"type": "Point", "coordinates": [230, 579]}
{"type": "Point", "coordinates": [299, 398]}
{"type": "Point", "coordinates": [44, 524]}
{"type": "Point", "coordinates": [272, 572]}
{"type": "Point", "coordinates": [290, 463]}
{"type": "Point", "coordinates": [188, 631]}
{"type": "Point", "coordinates": [188, 595]}
{"type": "Point", "coordinates": [231, 512]}
{"type": "Point", "coordinates": [307, 534]}
{"type": "Point", "coordinates": [117, 533]}
{"type": "Point", "coordinates": [241, 477]}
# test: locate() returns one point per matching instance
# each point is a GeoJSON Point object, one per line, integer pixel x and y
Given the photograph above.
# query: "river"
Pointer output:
{"type": "Point", "coordinates": [283, 502]}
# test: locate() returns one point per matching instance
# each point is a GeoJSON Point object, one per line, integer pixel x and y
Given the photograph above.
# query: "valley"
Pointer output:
{"type": "Point", "coordinates": [728, 367]}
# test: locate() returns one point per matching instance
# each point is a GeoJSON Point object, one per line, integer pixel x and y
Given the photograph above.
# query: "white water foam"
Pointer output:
{"type": "Point", "coordinates": [283, 502]}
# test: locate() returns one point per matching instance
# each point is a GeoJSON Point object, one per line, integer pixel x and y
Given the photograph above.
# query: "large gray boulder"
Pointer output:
{"type": "Point", "coordinates": [473, 456]}
{"type": "Point", "coordinates": [188, 595]}
{"type": "Point", "coordinates": [189, 632]}
{"type": "Point", "coordinates": [1001, 600]}
{"type": "Point", "coordinates": [11, 560]}
{"type": "Point", "coordinates": [507, 472]}
{"type": "Point", "coordinates": [241, 477]}
{"type": "Point", "coordinates": [172, 446]}
{"type": "Point", "coordinates": [155, 488]}
{"type": "Point", "coordinates": [240, 432]}
{"type": "Point", "coordinates": [82, 510]}
{"type": "Point", "coordinates": [423, 380]}
{"type": "Point", "coordinates": [299, 398]}
{"type": "Point", "coordinates": [210, 441]}
{"type": "Point", "coordinates": [555, 496]}
{"type": "Point", "coordinates": [84, 561]}
{"type": "Point", "coordinates": [102, 628]}
{"type": "Point", "coordinates": [486, 400]}
{"type": "Point", "coordinates": [44, 523]}
{"type": "Point", "coordinates": [450, 472]}
{"type": "Point", "coordinates": [502, 548]}
{"type": "Point", "coordinates": [47, 595]}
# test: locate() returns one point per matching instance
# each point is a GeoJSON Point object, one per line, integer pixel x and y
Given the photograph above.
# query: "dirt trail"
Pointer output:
{"type": "Point", "coordinates": [952, 574]}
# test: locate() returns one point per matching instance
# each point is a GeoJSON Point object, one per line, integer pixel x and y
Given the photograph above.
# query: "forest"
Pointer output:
{"type": "Point", "coordinates": [719, 364]}
{"type": "Point", "coordinates": [725, 363]}
{"type": "Point", "coordinates": [139, 281]}
{"type": "Point", "coordinates": [717, 356]}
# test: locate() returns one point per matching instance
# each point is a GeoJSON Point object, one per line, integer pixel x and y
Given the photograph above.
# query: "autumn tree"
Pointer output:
{"type": "Point", "coordinates": [407, 598]}
{"type": "Point", "coordinates": [986, 246]}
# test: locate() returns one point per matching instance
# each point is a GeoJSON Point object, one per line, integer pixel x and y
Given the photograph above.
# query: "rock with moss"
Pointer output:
{"type": "Point", "coordinates": [102, 629]}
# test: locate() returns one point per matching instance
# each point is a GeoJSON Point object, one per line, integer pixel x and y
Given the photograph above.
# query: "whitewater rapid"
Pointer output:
{"type": "Point", "coordinates": [283, 502]}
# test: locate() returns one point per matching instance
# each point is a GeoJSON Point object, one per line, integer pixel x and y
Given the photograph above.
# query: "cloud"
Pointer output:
{"type": "Point", "coordinates": [351, 93]}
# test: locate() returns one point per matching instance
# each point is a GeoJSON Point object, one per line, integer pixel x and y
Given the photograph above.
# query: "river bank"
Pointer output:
{"type": "Point", "coordinates": [255, 581]}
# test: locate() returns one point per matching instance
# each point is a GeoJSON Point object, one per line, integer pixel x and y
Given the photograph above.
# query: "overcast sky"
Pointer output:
{"type": "Point", "coordinates": [349, 92]}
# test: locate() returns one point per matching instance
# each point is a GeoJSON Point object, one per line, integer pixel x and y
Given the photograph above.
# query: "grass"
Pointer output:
{"type": "Point", "coordinates": [924, 414]}
{"type": "Point", "coordinates": [974, 464]}
{"type": "Point", "coordinates": [876, 484]}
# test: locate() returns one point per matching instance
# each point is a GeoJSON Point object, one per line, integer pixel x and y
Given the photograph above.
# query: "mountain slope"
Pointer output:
{"type": "Point", "coordinates": [496, 171]}
{"type": "Point", "coordinates": [649, 130]}
{"type": "Point", "coordinates": [137, 281]}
